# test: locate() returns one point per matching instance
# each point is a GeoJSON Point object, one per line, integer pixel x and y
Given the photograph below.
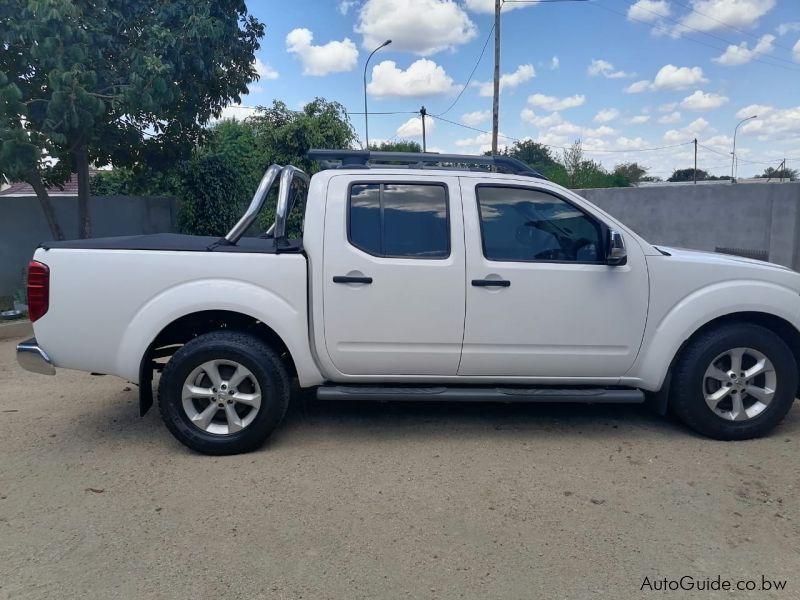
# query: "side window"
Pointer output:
{"type": "Point", "coordinates": [399, 220]}
{"type": "Point", "coordinates": [522, 224]}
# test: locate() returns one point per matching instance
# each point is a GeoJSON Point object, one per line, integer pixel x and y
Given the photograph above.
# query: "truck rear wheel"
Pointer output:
{"type": "Point", "coordinates": [223, 393]}
{"type": "Point", "coordinates": [734, 382]}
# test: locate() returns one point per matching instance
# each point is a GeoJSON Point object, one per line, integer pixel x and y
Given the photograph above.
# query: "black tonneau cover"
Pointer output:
{"type": "Point", "coordinates": [178, 243]}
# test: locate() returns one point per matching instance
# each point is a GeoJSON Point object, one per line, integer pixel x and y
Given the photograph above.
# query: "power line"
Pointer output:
{"type": "Point", "coordinates": [630, 150]}
{"type": "Point", "coordinates": [469, 79]}
{"type": "Point", "coordinates": [700, 31]}
{"type": "Point", "coordinates": [696, 41]}
{"type": "Point", "coordinates": [728, 25]}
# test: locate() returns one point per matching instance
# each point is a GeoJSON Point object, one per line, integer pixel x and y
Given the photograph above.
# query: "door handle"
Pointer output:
{"type": "Point", "coordinates": [491, 282]}
{"type": "Point", "coordinates": [351, 279]}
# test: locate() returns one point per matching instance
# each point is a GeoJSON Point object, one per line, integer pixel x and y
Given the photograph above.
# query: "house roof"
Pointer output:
{"type": "Point", "coordinates": [21, 188]}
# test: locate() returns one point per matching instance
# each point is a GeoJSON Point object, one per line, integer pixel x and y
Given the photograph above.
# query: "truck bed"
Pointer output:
{"type": "Point", "coordinates": [176, 242]}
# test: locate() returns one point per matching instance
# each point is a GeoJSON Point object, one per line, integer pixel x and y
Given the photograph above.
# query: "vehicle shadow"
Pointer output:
{"type": "Point", "coordinates": [308, 419]}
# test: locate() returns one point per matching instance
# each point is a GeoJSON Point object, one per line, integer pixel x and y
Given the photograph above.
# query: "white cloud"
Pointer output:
{"type": "Point", "coordinates": [649, 10]}
{"type": "Point", "coordinates": [542, 121]}
{"type": "Point", "coordinates": [638, 87]}
{"type": "Point", "coordinates": [420, 26]}
{"type": "Point", "coordinates": [796, 52]}
{"type": "Point", "coordinates": [264, 70]}
{"type": "Point", "coordinates": [237, 112]}
{"type": "Point", "coordinates": [346, 5]}
{"type": "Point", "coordinates": [552, 103]}
{"type": "Point", "coordinates": [605, 115]}
{"type": "Point", "coordinates": [606, 69]}
{"type": "Point", "coordinates": [776, 123]}
{"type": "Point", "coordinates": [703, 101]}
{"type": "Point", "coordinates": [639, 119]}
{"type": "Point", "coordinates": [554, 63]}
{"type": "Point", "coordinates": [413, 127]}
{"type": "Point", "coordinates": [625, 143]}
{"type": "Point", "coordinates": [476, 118]}
{"type": "Point", "coordinates": [672, 117]}
{"type": "Point", "coordinates": [423, 78]}
{"type": "Point", "coordinates": [669, 107]}
{"type": "Point", "coordinates": [482, 142]}
{"type": "Point", "coordinates": [669, 77]}
{"type": "Point", "coordinates": [333, 57]}
{"type": "Point", "coordinates": [507, 80]}
{"type": "Point", "coordinates": [741, 54]}
{"type": "Point", "coordinates": [487, 6]}
{"type": "Point", "coordinates": [785, 28]}
{"type": "Point", "coordinates": [709, 15]}
{"type": "Point", "coordinates": [754, 109]}
{"type": "Point", "coordinates": [686, 134]}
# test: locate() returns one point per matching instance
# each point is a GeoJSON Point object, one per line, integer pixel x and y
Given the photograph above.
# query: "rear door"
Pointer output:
{"type": "Point", "coordinates": [394, 287]}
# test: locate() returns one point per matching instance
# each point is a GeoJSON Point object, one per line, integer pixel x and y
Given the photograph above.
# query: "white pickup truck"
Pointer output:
{"type": "Point", "coordinates": [449, 278]}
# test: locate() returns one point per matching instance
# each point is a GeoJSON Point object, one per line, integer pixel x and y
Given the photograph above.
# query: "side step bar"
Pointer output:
{"type": "Point", "coordinates": [479, 394]}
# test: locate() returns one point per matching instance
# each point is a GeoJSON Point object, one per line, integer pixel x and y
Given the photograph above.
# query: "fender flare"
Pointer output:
{"type": "Point", "coordinates": [287, 321]}
{"type": "Point", "coordinates": [664, 339]}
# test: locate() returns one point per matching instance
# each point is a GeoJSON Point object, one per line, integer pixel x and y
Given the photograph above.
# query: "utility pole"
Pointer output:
{"type": "Point", "coordinates": [695, 161]}
{"type": "Point", "coordinates": [496, 100]}
{"type": "Point", "coordinates": [422, 113]}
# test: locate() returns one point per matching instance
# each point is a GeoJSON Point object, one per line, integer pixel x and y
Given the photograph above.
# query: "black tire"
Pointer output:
{"type": "Point", "coordinates": [687, 399]}
{"type": "Point", "coordinates": [252, 353]}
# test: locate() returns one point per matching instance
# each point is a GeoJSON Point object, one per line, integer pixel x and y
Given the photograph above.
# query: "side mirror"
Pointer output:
{"type": "Point", "coordinates": [616, 255]}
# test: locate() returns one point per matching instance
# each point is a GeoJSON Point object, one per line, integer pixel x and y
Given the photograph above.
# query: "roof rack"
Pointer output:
{"type": "Point", "coordinates": [364, 159]}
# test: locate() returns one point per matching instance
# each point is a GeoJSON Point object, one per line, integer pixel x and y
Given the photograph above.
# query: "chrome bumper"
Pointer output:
{"type": "Point", "coordinates": [34, 359]}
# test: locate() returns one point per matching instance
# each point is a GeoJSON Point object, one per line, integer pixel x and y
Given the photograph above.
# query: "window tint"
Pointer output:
{"type": "Point", "coordinates": [528, 225]}
{"type": "Point", "coordinates": [399, 219]}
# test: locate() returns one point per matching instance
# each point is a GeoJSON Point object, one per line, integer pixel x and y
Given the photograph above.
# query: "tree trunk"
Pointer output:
{"type": "Point", "coordinates": [47, 208]}
{"type": "Point", "coordinates": [84, 217]}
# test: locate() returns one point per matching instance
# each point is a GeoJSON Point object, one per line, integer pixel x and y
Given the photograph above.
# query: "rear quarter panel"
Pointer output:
{"type": "Point", "coordinates": [107, 306]}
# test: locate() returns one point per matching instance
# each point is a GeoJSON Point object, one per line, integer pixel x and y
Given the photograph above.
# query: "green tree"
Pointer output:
{"type": "Point", "coordinates": [773, 173]}
{"type": "Point", "coordinates": [398, 146]}
{"type": "Point", "coordinates": [211, 190]}
{"type": "Point", "coordinates": [582, 173]}
{"type": "Point", "coordinates": [632, 171]}
{"type": "Point", "coordinates": [688, 175]}
{"type": "Point", "coordinates": [114, 81]}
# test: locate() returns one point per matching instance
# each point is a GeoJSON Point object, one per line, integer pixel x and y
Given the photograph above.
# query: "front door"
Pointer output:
{"type": "Point", "coordinates": [393, 271]}
{"type": "Point", "coordinates": [541, 302]}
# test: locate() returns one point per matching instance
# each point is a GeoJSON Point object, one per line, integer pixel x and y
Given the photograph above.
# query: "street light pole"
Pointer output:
{"type": "Point", "coordinates": [733, 154]}
{"type": "Point", "coordinates": [366, 111]}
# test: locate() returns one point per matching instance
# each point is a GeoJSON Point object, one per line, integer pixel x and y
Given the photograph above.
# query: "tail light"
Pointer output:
{"type": "Point", "coordinates": [38, 289]}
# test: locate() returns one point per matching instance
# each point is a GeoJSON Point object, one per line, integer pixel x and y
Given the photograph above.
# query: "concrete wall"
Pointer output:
{"type": "Point", "coordinates": [752, 217]}
{"type": "Point", "coordinates": [23, 227]}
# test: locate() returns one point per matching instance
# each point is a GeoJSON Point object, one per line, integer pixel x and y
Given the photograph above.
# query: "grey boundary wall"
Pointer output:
{"type": "Point", "coordinates": [23, 227]}
{"type": "Point", "coordinates": [762, 219]}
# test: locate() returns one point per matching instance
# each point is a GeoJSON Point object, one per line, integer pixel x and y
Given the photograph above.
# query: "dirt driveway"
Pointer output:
{"type": "Point", "coordinates": [383, 501]}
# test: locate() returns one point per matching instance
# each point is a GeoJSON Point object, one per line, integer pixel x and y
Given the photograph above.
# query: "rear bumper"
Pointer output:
{"type": "Point", "coordinates": [32, 358]}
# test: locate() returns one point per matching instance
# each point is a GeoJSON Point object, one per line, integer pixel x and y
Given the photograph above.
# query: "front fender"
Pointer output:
{"type": "Point", "coordinates": [665, 334]}
{"type": "Point", "coordinates": [288, 320]}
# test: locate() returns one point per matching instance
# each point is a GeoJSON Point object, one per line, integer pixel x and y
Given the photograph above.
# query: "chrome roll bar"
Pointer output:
{"type": "Point", "coordinates": [288, 174]}
{"type": "Point", "coordinates": [256, 204]}
{"type": "Point", "coordinates": [286, 200]}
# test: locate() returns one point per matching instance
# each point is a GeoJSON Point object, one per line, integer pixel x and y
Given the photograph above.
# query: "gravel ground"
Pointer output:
{"type": "Point", "coordinates": [382, 501]}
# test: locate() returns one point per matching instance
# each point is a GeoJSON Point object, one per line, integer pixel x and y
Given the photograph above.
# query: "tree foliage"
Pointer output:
{"type": "Point", "coordinates": [784, 173]}
{"type": "Point", "coordinates": [680, 175]}
{"type": "Point", "coordinates": [211, 192]}
{"type": "Point", "coordinates": [114, 81]}
{"type": "Point", "coordinates": [398, 146]}
{"type": "Point", "coordinates": [632, 171]}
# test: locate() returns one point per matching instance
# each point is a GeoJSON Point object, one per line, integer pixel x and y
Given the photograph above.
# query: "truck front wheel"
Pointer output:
{"type": "Point", "coordinates": [223, 393]}
{"type": "Point", "coordinates": [734, 382]}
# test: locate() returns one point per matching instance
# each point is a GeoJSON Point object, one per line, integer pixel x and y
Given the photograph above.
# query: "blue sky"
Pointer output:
{"type": "Point", "coordinates": [624, 76]}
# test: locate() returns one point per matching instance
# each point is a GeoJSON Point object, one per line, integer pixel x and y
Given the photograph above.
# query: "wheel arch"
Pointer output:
{"type": "Point", "coordinates": [782, 327]}
{"type": "Point", "coordinates": [191, 325]}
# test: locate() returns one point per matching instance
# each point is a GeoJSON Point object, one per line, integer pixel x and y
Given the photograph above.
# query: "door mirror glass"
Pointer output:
{"type": "Point", "coordinates": [616, 255]}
